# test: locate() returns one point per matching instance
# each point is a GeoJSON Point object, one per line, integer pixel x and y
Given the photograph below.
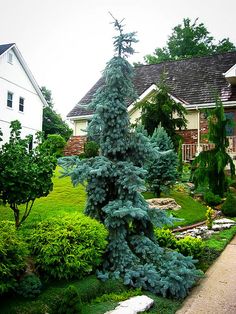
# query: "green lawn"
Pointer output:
{"type": "Point", "coordinates": [191, 210]}
{"type": "Point", "coordinates": [63, 199]}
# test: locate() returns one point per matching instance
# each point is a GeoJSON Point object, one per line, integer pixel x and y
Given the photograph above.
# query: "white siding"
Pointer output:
{"type": "Point", "coordinates": [14, 79]}
{"type": "Point", "coordinates": [80, 127]}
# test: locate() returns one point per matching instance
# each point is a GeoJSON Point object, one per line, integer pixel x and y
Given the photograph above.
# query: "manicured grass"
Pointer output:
{"type": "Point", "coordinates": [63, 199]}
{"type": "Point", "coordinates": [191, 210]}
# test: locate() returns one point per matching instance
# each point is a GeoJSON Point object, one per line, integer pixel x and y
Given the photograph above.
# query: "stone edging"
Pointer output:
{"type": "Point", "coordinates": [194, 225]}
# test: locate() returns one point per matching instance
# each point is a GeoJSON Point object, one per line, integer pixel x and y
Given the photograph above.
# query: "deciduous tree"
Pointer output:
{"type": "Point", "coordinates": [25, 174]}
{"type": "Point", "coordinates": [187, 40]}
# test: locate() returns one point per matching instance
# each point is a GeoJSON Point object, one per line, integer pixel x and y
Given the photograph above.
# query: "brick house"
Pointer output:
{"type": "Point", "coordinates": [193, 82]}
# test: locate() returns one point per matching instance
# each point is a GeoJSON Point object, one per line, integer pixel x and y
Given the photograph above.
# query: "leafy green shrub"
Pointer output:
{"type": "Point", "coordinates": [165, 238]}
{"type": "Point", "coordinates": [211, 199]}
{"type": "Point", "coordinates": [229, 206]}
{"type": "Point", "coordinates": [91, 149]}
{"type": "Point", "coordinates": [187, 246]}
{"type": "Point", "coordinates": [29, 286]}
{"type": "Point", "coordinates": [70, 246]}
{"type": "Point", "coordinates": [54, 144]}
{"type": "Point", "coordinates": [13, 254]}
{"type": "Point", "coordinates": [190, 246]}
{"type": "Point", "coordinates": [69, 302]}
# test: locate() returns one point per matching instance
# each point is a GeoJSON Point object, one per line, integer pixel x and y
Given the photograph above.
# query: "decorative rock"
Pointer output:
{"type": "Point", "coordinates": [224, 221]}
{"type": "Point", "coordinates": [133, 305]}
{"type": "Point", "coordinates": [220, 227]}
{"type": "Point", "coordinates": [163, 203]}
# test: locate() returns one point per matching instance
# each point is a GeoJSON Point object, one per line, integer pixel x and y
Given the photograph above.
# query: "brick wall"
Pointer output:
{"type": "Point", "coordinates": [75, 145]}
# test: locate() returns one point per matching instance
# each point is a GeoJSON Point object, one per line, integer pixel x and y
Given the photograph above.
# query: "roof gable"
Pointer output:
{"type": "Point", "coordinates": [4, 48]}
{"type": "Point", "coordinates": [192, 81]}
{"type": "Point", "coordinates": [7, 47]}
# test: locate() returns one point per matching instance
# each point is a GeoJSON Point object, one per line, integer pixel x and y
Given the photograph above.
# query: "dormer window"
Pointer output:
{"type": "Point", "coordinates": [10, 58]}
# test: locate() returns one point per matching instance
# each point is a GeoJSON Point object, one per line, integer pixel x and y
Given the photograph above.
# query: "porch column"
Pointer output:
{"type": "Point", "coordinates": [198, 132]}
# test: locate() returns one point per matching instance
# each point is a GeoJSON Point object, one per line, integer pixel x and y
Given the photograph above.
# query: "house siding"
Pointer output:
{"type": "Point", "coordinates": [14, 79]}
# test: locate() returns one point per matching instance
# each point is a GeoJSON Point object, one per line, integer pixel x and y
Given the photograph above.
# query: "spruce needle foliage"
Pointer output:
{"type": "Point", "coordinates": [114, 181]}
{"type": "Point", "coordinates": [210, 165]}
{"type": "Point", "coordinates": [162, 170]}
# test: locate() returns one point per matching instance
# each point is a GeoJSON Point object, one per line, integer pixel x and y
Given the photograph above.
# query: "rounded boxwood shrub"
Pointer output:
{"type": "Point", "coordinates": [69, 246]}
{"type": "Point", "coordinates": [190, 246]}
{"type": "Point", "coordinates": [13, 253]}
{"type": "Point", "coordinates": [211, 199]}
{"type": "Point", "coordinates": [229, 206]}
{"type": "Point", "coordinates": [29, 286]}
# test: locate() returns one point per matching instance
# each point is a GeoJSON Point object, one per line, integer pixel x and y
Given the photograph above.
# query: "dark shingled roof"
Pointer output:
{"type": "Point", "coordinates": [194, 81]}
{"type": "Point", "coordinates": [4, 48]}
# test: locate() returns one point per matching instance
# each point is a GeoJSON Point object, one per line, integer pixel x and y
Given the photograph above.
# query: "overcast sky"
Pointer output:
{"type": "Point", "coordinates": [66, 43]}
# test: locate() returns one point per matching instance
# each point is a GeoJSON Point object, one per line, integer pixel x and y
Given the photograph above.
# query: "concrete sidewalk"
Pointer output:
{"type": "Point", "coordinates": [216, 293]}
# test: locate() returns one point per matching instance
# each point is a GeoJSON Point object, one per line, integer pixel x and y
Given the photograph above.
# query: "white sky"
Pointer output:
{"type": "Point", "coordinates": [66, 43]}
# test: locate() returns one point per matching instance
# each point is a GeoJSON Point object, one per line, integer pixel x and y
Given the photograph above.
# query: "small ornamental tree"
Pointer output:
{"type": "Point", "coordinates": [161, 109]}
{"type": "Point", "coordinates": [210, 165]}
{"type": "Point", "coordinates": [25, 174]}
{"type": "Point", "coordinates": [114, 181]}
{"type": "Point", "coordinates": [162, 170]}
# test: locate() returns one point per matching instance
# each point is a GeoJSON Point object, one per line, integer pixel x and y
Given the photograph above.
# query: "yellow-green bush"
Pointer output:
{"type": "Point", "coordinates": [67, 247]}
{"type": "Point", "coordinates": [13, 254]}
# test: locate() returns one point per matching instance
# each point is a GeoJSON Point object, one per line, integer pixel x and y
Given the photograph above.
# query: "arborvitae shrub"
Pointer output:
{"type": "Point", "coordinates": [13, 254]}
{"type": "Point", "coordinates": [229, 206]}
{"type": "Point", "coordinates": [54, 144]}
{"type": "Point", "coordinates": [29, 286]}
{"type": "Point", "coordinates": [91, 149]}
{"type": "Point", "coordinates": [211, 199]}
{"type": "Point", "coordinates": [69, 246]}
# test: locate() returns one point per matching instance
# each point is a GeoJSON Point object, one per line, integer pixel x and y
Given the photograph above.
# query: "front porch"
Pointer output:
{"type": "Point", "coordinates": [189, 151]}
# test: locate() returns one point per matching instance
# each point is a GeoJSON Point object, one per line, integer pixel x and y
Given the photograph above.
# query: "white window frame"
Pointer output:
{"type": "Point", "coordinates": [12, 94]}
{"type": "Point", "coordinates": [21, 104]}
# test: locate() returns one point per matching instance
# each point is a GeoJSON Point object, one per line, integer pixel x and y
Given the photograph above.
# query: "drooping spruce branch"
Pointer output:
{"type": "Point", "coordinates": [114, 182]}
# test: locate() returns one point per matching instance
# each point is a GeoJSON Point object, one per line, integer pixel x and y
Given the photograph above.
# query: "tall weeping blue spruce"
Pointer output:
{"type": "Point", "coordinates": [114, 182]}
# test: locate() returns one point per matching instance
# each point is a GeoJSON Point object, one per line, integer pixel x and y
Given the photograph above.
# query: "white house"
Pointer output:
{"type": "Point", "coordinates": [20, 95]}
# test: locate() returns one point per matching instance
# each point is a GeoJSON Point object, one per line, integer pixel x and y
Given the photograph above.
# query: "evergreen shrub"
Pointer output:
{"type": "Point", "coordinates": [70, 246]}
{"type": "Point", "coordinates": [91, 149]}
{"type": "Point", "coordinates": [69, 302]}
{"type": "Point", "coordinates": [29, 286]}
{"type": "Point", "coordinates": [165, 238]}
{"type": "Point", "coordinates": [187, 246]}
{"type": "Point", "coordinates": [229, 206]}
{"type": "Point", "coordinates": [190, 246]}
{"type": "Point", "coordinates": [211, 199]}
{"type": "Point", "coordinates": [54, 144]}
{"type": "Point", "coordinates": [13, 254]}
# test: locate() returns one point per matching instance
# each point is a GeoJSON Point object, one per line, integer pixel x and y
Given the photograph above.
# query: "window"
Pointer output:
{"type": "Point", "coordinates": [10, 58]}
{"type": "Point", "coordinates": [21, 104]}
{"type": "Point", "coordinates": [9, 99]}
{"type": "Point", "coordinates": [230, 125]}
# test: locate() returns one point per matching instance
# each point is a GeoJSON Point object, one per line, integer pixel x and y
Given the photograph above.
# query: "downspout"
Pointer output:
{"type": "Point", "coordinates": [198, 131]}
